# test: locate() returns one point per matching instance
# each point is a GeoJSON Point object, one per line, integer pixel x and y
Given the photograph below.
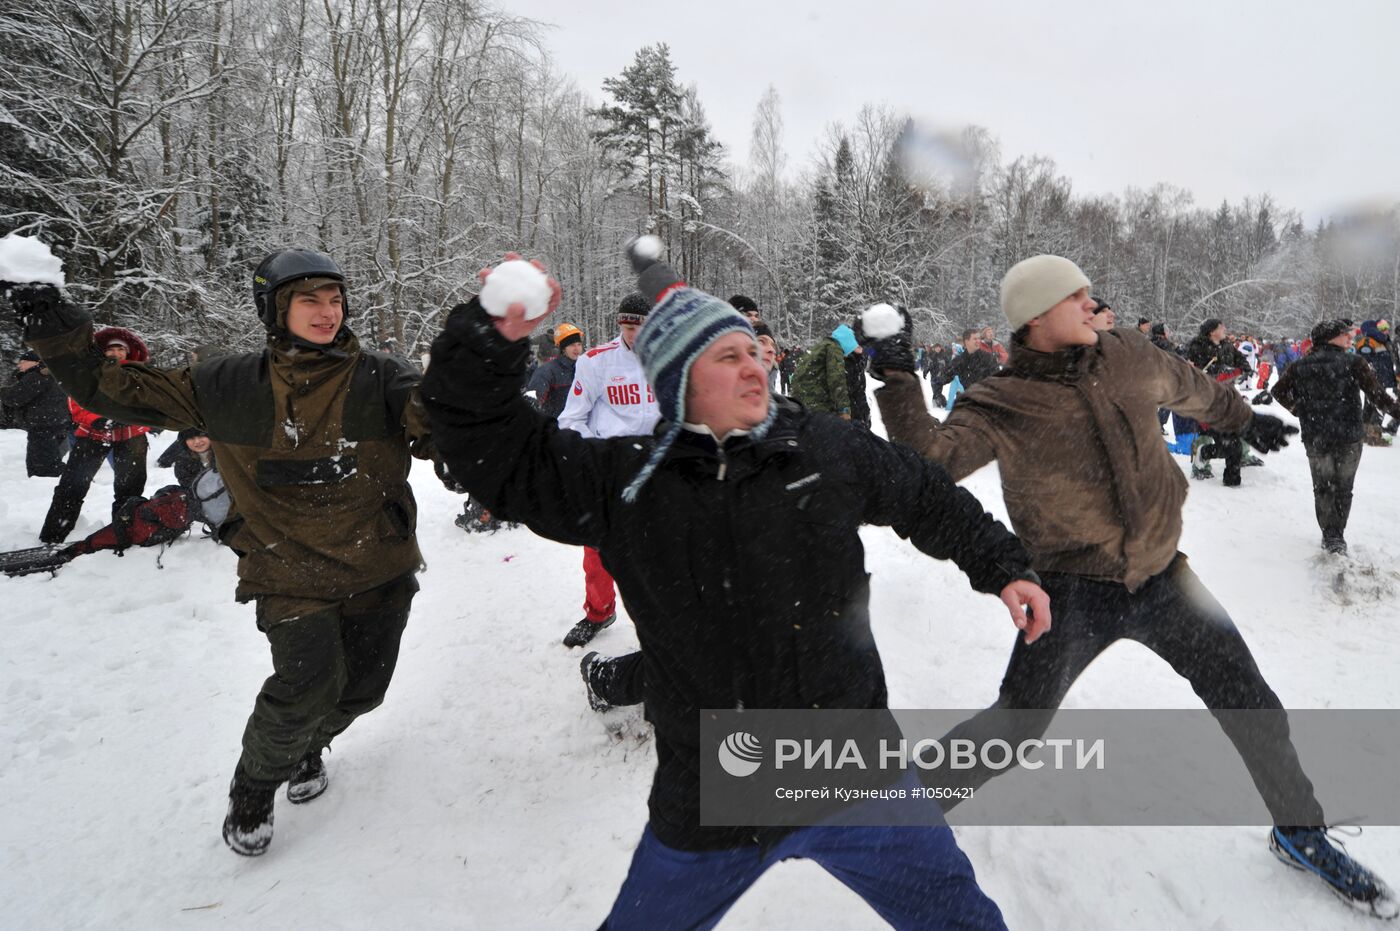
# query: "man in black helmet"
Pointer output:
{"type": "Point", "coordinates": [313, 436]}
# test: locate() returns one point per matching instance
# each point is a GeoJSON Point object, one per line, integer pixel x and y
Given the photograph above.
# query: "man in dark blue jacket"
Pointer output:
{"type": "Point", "coordinates": [696, 524]}
{"type": "Point", "coordinates": [551, 382]}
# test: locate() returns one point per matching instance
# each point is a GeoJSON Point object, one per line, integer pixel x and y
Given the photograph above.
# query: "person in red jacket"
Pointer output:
{"type": "Point", "coordinates": [94, 437]}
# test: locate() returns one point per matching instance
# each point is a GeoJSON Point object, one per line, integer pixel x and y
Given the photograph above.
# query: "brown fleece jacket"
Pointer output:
{"type": "Point", "coordinates": [1090, 486]}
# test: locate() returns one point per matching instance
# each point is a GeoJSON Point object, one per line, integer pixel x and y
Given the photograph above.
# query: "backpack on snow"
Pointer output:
{"type": "Point", "coordinates": [141, 522]}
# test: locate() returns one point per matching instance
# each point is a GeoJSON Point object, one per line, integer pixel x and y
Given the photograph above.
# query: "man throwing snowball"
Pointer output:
{"type": "Point", "coordinates": [313, 436]}
{"type": "Point", "coordinates": [1091, 489]}
{"type": "Point", "coordinates": [696, 522]}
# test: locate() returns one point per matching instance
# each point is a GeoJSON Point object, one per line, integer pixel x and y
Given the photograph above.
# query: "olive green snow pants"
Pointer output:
{"type": "Point", "coordinates": [332, 662]}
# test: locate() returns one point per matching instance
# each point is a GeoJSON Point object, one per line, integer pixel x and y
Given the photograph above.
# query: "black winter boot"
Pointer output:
{"type": "Point", "coordinates": [248, 825]}
{"type": "Point", "coordinates": [586, 668]}
{"type": "Point", "coordinates": [585, 630]}
{"type": "Point", "coordinates": [309, 780]}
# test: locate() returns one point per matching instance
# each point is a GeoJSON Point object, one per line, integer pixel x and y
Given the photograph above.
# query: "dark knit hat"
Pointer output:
{"type": "Point", "coordinates": [1159, 329]}
{"type": "Point", "coordinates": [633, 309]}
{"type": "Point", "coordinates": [1328, 330]}
{"type": "Point", "coordinates": [30, 355]}
{"type": "Point", "coordinates": [1100, 305]}
{"type": "Point", "coordinates": [743, 304]}
{"type": "Point", "coordinates": [763, 329]}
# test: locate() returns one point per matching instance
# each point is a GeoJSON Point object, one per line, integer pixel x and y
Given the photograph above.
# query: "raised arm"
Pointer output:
{"type": "Point", "coordinates": [133, 393]}
{"type": "Point", "coordinates": [503, 450]}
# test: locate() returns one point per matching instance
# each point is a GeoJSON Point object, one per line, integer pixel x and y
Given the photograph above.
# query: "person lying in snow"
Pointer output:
{"type": "Point", "coordinates": [200, 497]}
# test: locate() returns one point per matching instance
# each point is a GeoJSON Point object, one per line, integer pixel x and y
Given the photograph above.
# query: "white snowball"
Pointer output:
{"type": "Point", "coordinates": [516, 282]}
{"type": "Point", "coordinates": [26, 260]}
{"type": "Point", "coordinates": [648, 247]}
{"type": "Point", "coordinates": [881, 321]}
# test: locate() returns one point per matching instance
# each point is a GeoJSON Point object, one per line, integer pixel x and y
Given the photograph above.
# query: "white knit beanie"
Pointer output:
{"type": "Point", "coordinates": [1036, 284]}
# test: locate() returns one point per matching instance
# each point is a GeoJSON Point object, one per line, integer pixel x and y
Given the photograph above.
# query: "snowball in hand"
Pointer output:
{"type": "Point", "coordinates": [647, 247]}
{"type": "Point", "coordinates": [25, 260]}
{"type": "Point", "coordinates": [516, 282]}
{"type": "Point", "coordinates": [881, 321]}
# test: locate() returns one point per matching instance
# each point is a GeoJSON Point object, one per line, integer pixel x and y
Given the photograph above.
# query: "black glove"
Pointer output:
{"type": "Point", "coordinates": [102, 425]}
{"type": "Point", "coordinates": [891, 353]}
{"type": "Point", "coordinates": [444, 476]}
{"type": "Point", "coordinates": [42, 309]}
{"type": "Point", "coordinates": [1267, 433]}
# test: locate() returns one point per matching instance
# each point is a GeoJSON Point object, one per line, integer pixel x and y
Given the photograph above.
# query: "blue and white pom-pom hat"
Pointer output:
{"type": "Point", "coordinates": [684, 321]}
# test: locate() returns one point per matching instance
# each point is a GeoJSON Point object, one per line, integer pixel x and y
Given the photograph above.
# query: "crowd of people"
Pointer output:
{"type": "Point", "coordinates": [663, 441]}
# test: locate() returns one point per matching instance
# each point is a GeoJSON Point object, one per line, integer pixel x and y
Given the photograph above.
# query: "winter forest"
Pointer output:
{"type": "Point", "coordinates": [164, 146]}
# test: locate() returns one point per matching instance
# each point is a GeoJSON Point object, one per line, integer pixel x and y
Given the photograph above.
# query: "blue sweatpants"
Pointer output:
{"type": "Point", "coordinates": [914, 877]}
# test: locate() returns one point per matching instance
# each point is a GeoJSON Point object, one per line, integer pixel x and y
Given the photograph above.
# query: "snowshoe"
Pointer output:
{"type": "Point", "coordinates": [47, 558]}
{"type": "Point", "coordinates": [308, 781]}
{"type": "Point", "coordinates": [248, 824]}
{"type": "Point", "coordinates": [1334, 545]}
{"type": "Point", "coordinates": [585, 630]}
{"type": "Point", "coordinates": [1201, 471]}
{"type": "Point", "coordinates": [1263, 397]}
{"type": "Point", "coordinates": [1312, 851]}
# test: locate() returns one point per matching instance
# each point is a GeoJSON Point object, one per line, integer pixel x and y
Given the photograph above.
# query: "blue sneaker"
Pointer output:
{"type": "Point", "coordinates": [1310, 849]}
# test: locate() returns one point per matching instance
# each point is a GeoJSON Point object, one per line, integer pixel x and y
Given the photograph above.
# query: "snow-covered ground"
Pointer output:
{"type": "Point", "coordinates": [485, 794]}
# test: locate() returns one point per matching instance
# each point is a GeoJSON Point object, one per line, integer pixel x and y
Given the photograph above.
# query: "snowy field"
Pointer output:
{"type": "Point", "coordinates": [484, 793]}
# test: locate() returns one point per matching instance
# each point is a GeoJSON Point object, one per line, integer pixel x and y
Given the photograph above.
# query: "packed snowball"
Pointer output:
{"type": "Point", "coordinates": [26, 260]}
{"type": "Point", "coordinates": [881, 321]}
{"type": "Point", "coordinates": [516, 282]}
{"type": "Point", "coordinates": [648, 247]}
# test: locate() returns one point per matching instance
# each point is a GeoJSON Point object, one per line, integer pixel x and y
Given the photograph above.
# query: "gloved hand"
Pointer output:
{"type": "Point", "coordinates": [1267, 433]}
{"type": "Point", "coordinates": [102, 425]}
{"type": "Point", "coordinates": [444, 476]}
{"type": "Point", "coordinates": [893, 352]}
{"type": "Point", "coordinates": [42, 309]}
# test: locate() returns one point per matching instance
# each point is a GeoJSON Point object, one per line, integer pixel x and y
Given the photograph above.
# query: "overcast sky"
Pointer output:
{"type": "Point", "coordinates": [1297, 98]}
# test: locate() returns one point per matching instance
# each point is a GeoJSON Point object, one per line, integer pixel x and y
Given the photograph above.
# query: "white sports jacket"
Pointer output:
{"type": "Point", "coordinates": [610, 396]}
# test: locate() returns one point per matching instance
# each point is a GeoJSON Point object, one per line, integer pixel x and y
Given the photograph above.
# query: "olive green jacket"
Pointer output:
{"type": "Point", "coordinates": [820, 380]}
{"type": "Point", "coordinates": [312, 443]}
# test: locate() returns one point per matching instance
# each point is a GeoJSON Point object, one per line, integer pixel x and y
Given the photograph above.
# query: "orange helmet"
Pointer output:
{"type": "Point", "coordinates": [563, 331]}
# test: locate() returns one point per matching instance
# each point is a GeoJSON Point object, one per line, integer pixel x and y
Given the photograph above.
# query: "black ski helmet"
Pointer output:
{"type": "Point", "coordinates": [288, 265]}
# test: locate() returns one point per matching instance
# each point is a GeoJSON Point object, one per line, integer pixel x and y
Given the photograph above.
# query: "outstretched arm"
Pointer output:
{"type": "Point", "coordinates": [1372, 388]}
{"type": "Point", "coordinates": [502, 449]}
{"type": "Point", "coordinates": [61, 333]}
{"type": "Point", "coordinates": [919, 500]}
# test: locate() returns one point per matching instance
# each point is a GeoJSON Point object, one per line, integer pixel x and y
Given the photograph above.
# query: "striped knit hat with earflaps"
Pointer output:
{"type": "Point", "coordinates": [683, 323]}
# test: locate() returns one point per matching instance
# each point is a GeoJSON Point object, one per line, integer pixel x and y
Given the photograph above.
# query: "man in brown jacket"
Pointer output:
{"type": "Point", "coordinates": [313, 437]}
{"type": "Point", "coordinates": [1094, 495]}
